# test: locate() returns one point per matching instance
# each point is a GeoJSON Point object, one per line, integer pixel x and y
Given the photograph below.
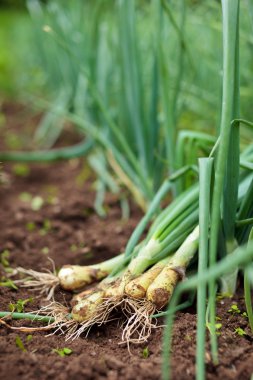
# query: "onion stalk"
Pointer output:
{"type": "Point", "coordinates": [154, 286]}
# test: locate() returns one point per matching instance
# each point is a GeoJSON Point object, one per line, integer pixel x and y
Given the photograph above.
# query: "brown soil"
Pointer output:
{"type": "Point", "coordinates": [76, 235]}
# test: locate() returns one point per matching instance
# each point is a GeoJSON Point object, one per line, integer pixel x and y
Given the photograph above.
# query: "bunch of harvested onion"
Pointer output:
{"type": "Point", "coordinates": [135, 284]}
{"type": "Point", "coordinates": [155, 285]}
{"type": "Point", "coordinates": [156, 266]}
{"type": "Point", "coordinates": [135, 292]}
{"type": "Point", "coordinates": [138, 284]}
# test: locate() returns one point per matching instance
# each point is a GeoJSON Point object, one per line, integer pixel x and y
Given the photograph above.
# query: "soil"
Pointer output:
{"type": "Point", "coordinates": [67, 229]}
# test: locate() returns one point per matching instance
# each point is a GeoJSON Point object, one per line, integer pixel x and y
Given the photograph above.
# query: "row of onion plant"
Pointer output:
{"type": "Point", "coordinates": [126, 75]}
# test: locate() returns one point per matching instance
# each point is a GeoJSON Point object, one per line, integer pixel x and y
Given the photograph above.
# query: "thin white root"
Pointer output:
{"type": "Point", "coordinates": [139, 322]}
{"type": "Point", "coordinates": [62, 317]}
{"type": "Point", "coordinates": [43, 282]}
{"type": "Point", "coordinates": [65, 325]}
{"type": "Point", "coordinates": [54, 310]}
{"type": "Point", "coordinates": [137, 325]}
{"type": "Point", "coordinates": [71, 328]}
{"type": "Point", "coordinates": [102, 315]}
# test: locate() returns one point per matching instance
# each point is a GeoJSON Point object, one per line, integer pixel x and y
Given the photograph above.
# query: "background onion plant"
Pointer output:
{"type": "Point", "coordinates": [131, 78]}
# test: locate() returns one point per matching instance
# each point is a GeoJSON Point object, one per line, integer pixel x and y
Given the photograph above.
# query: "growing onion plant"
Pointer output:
{"type": "Point", "coordinates": [127, 76]}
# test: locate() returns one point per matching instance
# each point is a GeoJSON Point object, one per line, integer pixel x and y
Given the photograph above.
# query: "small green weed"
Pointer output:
{"type": "Point", "coordinates": [45, 250]}
{"type": "Point", "coordinates": [25, 197]}
{"type": "Point", "coordinates": [29, 338]}
{"type": "Point", "coordinates": [12, 141]}
{"type": "Point", "coordinates": [36, 203]}
{"type": "Point", "coordinates": [8, 283]}
{"type": "Point", "coordinates": [21, 170]}
{"type": "Point", "coordinates": [240, 331]}
{"type": "Point", "coordinates": [4, 258]}
{"type": "Point", "coordinates": [73, 248]}
{"type": "Point", "coordinates": [19, 305]}
{"type": "Point", "coordinates": [30, 226]}
{"type": "Point", "coordinates": [46, 227]}
{"type": "Point", "coordinates": [221, 296]}
{"type": "Point", "coordinates": [145, 353]}
{"type": "Point", "coordinates": [63, 351]}
{"type": "Point", "coordinates": [218, 326]}
{"type": "Point", "coordinates": [20, 344]}
{"type": "Point", "coordinates": [234, 309]}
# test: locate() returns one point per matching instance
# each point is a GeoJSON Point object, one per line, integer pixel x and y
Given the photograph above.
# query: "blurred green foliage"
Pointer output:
{"type": "Point", "coordinates": [135, 72]}
{"type": "Point", "coordinates": [12, 4]}
{"type": "Point", "coordinates": [15, 35]}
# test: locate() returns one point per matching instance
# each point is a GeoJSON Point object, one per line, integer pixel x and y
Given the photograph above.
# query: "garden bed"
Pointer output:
{"type": "Point", "coordinates": [67, 229]}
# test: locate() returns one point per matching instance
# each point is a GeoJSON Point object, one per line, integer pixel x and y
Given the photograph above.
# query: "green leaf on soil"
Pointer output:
{"type": "Point", "coordinates": [11, 307]}
{"type": "Point", "coordinates": [12, 141]}
{"type": "Point", "coordinates": [234, 309]}
{"type": "Point", "coordinates": [19, 305]}
{"type": "Point", "coordinates": [30, 226]}
{"type": "Point", "coordinates": [37, 203]}
{"type": "Point", "coordinates": [73, 248]}
{"type": "Point", "coordinates": [45, 250]}
{"type": "Point", "coordinates": [67, 351]}
{"type": "Point", "coordinates": [240, 331]}
{"type": "Point", "coordinates": [46, 227]}
{"type": "Point", "coordinates": [9, 284]}
{"type": "Point", "coordinates": [4, 258]}
{"type": "Point", "coordinates": [8, 270]}
{"type": "Point", "coordinates": [25, 197]}
{"type": "Point", "coordinates": [20, 344]}
{"type": "Point", "coordinates": [62, 351]}
{"type": "Point", "coordinates": [218, 326]}
{"type": "Point", "coordinates": [145, 353]}
{"type": "Point", "coordinates": [221, 296]}
{"type": "Point", "coordinates": [21, 170]}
